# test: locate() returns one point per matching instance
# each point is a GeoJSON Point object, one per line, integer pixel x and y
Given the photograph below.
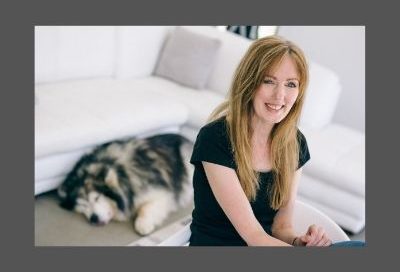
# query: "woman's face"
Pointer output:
{"type": "Point", "coordinates": [277, 93]}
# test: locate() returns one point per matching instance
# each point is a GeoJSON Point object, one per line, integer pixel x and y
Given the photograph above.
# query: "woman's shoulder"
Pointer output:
{"type": "Point", "coordinates": [212, 145]}
{"type": "Point", "coordinates": [217, 127]}
{"type": "Point", "coordinates": [301, 138]}
{"type": "Point", "coordinates": [304, 153]}
{"type": "Point", "coordinates": [300, 135]}
{"type": "Point", "coordinates": [215, 133]}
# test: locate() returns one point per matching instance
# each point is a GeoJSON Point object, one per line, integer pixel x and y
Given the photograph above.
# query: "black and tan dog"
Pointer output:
{"type": "Point", "coordinates": [143, 179]}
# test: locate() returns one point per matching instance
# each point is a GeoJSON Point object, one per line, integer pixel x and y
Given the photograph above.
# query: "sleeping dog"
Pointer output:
{"type": "Point", "coordinates": [143, 179]}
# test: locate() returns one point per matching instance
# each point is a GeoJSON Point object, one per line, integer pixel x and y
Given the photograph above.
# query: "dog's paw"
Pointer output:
{"type": "Point", "coordinates": [144, 225]}
{"type": "Point", "coordinates": [120, 217]}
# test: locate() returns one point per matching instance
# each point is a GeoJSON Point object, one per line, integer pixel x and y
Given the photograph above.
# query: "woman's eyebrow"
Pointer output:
{"type": "Point", "coordinates": [292, 78]}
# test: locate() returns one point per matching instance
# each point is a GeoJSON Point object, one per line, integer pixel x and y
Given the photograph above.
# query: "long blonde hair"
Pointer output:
{"type": "Point", "coordinates": [263, 56]}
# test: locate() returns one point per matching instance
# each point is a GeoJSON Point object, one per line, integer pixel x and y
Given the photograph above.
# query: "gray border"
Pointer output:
{"type": "Point", "coordinates": [17, 141]}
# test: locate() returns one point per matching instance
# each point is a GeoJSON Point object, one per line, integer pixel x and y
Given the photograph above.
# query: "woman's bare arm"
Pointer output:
{"type": "Point", "coordinates": [282, 227]}
{"type": "Point", "coordinates": [226, 187]}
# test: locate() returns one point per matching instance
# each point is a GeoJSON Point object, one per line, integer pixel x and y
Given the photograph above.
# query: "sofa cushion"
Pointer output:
{"type": "Point", "coordinates": [199, 104]}
{"type": "Point", "coordinates": [321, 98]}
{"type": "Point", "coordinates": [76, 114]}
{"type": "Point", "coordinates": [332, 196]}
{"type": "Point", "coordinates": [226, 59]}
{"type": "Point", "coordinates": [337, 157]}
{"type": "Point", "coordinates": [48, 184]}
{"type": "Point", "coordinates": [57, 165]}
{"type": "Point", "coordinates": [187, 58]}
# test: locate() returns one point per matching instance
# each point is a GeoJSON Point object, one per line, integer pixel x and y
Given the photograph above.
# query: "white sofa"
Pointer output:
{"type": "Point", "coordinates": [95, 84]}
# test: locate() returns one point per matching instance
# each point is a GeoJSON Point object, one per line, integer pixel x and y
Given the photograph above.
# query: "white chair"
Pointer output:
{"type": "Point", "coordinates": [304, 216]}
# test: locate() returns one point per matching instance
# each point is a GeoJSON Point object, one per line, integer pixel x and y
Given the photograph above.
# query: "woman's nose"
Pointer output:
{"type": "Point", "coordinates": [279, 93]}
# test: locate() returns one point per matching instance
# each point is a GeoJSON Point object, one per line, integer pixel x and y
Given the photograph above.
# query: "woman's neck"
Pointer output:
{"type": "Point", "coordinates": [261, 132]}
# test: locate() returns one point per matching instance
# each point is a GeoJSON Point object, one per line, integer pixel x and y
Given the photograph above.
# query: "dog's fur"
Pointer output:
{"type": "Point", "coordinates": [144, 179]}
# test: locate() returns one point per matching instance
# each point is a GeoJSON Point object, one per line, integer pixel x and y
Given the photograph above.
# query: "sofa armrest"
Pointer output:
{"type": "Point", "coordinates": [322, 96]}
{"type": "Point", "coordinates": [337, 157]}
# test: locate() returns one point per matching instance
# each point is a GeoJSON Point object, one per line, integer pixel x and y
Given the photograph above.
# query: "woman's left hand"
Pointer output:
{"type": "Point", "coordinates": [315, 236]}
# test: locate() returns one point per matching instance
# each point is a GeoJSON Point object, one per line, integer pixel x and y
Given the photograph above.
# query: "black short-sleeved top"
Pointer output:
{"type": "Point", "coordinates": [210, 225]}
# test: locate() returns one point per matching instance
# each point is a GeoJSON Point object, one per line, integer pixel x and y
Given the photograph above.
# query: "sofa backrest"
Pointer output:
{"type": "Point", "coordinates": [78, 52]}
{"type": "Point", "coordinates": [138, 49]}
{"type": "Point", "coordinates": [81, 52]}
{"type": "Point", "coordinates": [72, 52]}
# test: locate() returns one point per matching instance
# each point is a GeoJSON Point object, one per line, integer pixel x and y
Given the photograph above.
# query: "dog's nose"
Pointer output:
{"type": "Point", "coordinates": [94, 219]}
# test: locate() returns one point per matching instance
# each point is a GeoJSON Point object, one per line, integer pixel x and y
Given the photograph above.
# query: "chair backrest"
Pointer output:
{"type": "Point", "coordinates": [179, 238]}
{"type": "Point", "coordinates": [304, 216]}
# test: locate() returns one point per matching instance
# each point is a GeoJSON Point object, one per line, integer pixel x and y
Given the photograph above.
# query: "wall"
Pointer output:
{"type": "Point", "coordinates": [342, 49]}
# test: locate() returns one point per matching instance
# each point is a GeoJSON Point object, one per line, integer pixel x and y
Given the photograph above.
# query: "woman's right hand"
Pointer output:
{"type": "Point", "coordinates": [315, 236]}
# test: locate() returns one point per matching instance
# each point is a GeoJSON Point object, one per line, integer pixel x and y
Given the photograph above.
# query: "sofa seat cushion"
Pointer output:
{"type": "Point", "coordinates": [77, 114]}
{"type": "Point", "coordinates": [58, 164]}
{"type": "Point", "coordinates": [337, 157]}
{"type": "Point", "coordinates": [48, 184]}
{"type": "Point", "coordinates": [336, 198]}
{"type": "Point", "coordinates": [199, 103]}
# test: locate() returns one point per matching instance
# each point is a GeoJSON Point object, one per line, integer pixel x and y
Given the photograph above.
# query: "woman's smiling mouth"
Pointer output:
{"type": "Point", "coordinates": [273, 107]}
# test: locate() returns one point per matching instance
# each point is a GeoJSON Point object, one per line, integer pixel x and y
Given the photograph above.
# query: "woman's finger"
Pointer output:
{"type": "Point", "coordinates": [323, 241]}
{"type": "Point", "coordinates": [320, 235]}
{"type": "Point", "coordinates": [328, 242]}
{"type": "Point", "coordinates": [311, 229]}
{"type": "Point", "coordinates": [317, 236]}
{"type": "Point", "coordinates": [312, 232]}
{"type": "Point", "coordinates": [312, 241]}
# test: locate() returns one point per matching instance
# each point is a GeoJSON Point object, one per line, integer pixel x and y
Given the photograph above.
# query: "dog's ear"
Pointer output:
{"type": "Point", "coordinates": [67, 198]}
{"type": "Point", "coordinates": [67, 186]}
{"type": "Point", "coordinates": [111, 178]}
{"type": "Point", "coordinates": [68, 203]}
{"type": "Point", "coordinates": [68, 191]}
{"type": "Point", "coordinates": [62, 193]}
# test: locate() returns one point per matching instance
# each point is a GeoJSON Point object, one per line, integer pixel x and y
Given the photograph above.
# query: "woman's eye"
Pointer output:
{"type": "Point", "coordinates": [291, 85]}
{"type": "Point", "coordinates": [268, 81]}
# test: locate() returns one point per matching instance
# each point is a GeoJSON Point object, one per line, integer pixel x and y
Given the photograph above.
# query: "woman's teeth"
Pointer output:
{"type": "Point", "coordinates": [274, 107]}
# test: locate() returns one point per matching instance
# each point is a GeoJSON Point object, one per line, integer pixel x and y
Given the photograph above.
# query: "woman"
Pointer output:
{"type": "Point", "coordinates": [248, 159]}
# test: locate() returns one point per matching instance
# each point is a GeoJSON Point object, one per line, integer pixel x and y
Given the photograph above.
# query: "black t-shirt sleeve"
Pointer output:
{"type": "Point", "coordinates": [304, 154]}
{"type": "Point", "coordinates": [212, 145]}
